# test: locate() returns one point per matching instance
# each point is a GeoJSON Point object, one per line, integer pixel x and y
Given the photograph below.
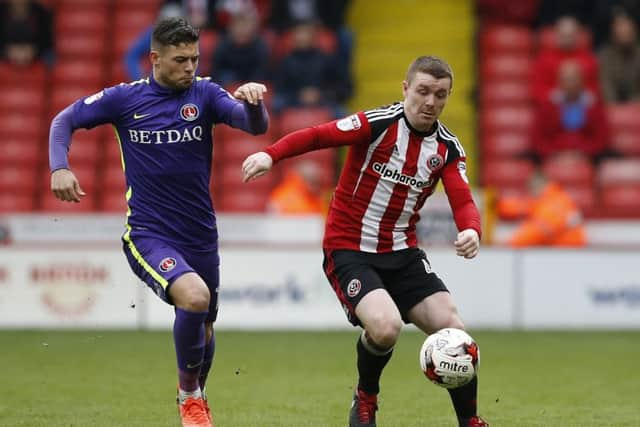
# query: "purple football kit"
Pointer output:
{"type": "Point", "coordinates": [166, 144]}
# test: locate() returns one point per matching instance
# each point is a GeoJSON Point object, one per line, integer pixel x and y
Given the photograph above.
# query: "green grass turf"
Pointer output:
{"type": "Point", "coordinates": [305, 379]}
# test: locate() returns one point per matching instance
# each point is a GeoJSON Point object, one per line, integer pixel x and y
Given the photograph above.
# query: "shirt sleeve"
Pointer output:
{"type": "Point", "coordinates": [456, 185]}
{"type": "Point", "coordinates": [86, 113]}
{"type": "Point", "coordinates": [221, 103]}
{"type": "Point", "coordinates": [351, 130]}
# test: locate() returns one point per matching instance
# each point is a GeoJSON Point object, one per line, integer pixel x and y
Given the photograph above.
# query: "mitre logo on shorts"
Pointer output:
{"type": "Point", "coordinates": [349, 123]}
{"type": "Point", "coordinates": [167, 264]}
{"type": "Point", "coordinates": [395, 176]}
{"type": "Point", "coordinates": [353, 288]}
{"type": "Point", "coordinates": [435, 162]}
{"type": "Point", "coordinates": [189, 112]}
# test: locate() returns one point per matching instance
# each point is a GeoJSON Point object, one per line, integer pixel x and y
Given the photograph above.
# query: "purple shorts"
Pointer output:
{"type": "Point", "coordinates": [159, 264]}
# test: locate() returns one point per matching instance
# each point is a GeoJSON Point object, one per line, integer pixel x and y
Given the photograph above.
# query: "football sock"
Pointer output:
{"type": "Point", "coordinates": [465, 400]}
{"type": "Point", "coordinates": [209, 351]}
{"type": "Point", "coordinates": [188, 336]}
{"type": "Point", "coordinates": [371, 361]}
{"type": "Point", "coordinates": [184, 395]}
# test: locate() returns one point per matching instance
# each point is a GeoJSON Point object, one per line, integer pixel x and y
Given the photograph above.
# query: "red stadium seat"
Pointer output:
{"type": "Point", "coordinates": [16, 202]}
{"type": "Point", "coordinates": [506, 67]}
{"type": "Point", "coordinates": [293, 119]}
{"type": "Point", "coordinates": [84, 153]}
{"type": "Point", "coordinates": [229, 176]}
{"type": "Point", "coordinates": [27, 99]}
{"type": "Point", "coordinates": [113, 179]}
{"type": "Point", "coordinates": [22, 76]}
{"type": "Point", "coordinates": [78, 72]}
{"type": "Point", "coordinates": [21, 152]}
{"type": "Point", "coordinates": [569, 170]}
{"type": "Point", "coordinates": [619, 171]}
{"type": "Point", "coordinates": [506, 144]}
{"type": "Point", "coordinates": [508, 119]}
{"type": "Point", "coordinates": [507, 172]}
{"type": "Point", "coordinates": [113, 201]}
{"type": "Point", "coordinates": [625, 142]}
{"type": "Point", "coordinates": [79, 45]}
{"type": "Point", "coordinates": [624, 117]}
{"type": "Point", "coordinates": [506, 38]}
{"type": "Point", "coordinates": [81, 20]}
{"type": "Point", "coordinates": [547, 38]}
{"type": "Point", "coordinates": [21, 125]}
{"type": "Point", "coordinates": [504, 93]}
{"type": "Point", "coordinates": [17, 179]}
{"type": "Point", "coordinates": [621, 200]}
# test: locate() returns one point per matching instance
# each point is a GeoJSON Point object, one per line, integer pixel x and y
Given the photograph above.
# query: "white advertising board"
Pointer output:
{"type": "Point", "coordinates": [277, 288]}
{"type": "Point", "coordinates": [66, 289]}
{"type": "Point", "coordinates": [581, 289]}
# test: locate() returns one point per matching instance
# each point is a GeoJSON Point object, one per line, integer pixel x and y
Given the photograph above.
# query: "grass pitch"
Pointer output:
{"type": "Point", "coordinates": [263, 379]}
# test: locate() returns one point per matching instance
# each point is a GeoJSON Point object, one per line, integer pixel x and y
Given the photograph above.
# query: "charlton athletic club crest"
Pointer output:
{"type": "Point", "coordinates": [189, 112]}
{"type": "Point", "coordinates": [167, 264]}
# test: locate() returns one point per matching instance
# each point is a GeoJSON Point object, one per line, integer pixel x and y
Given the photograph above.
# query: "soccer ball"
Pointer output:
{"type": "Point", "coordinates": [450, 358]}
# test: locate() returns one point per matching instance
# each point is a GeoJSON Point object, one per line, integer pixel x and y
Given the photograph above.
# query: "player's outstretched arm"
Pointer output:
{"type": "Point", "coordinates": [467, 243]}
{"type": "Point", "coordinates": [256, 165]}
{"type": "Point", "coordinates": [65, 186]}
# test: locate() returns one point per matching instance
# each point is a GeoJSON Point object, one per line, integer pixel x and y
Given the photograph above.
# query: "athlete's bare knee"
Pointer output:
{"type": "Point", "coordinates": [384, 330]}
{"type": "Point", "coordinates": [191, 293]}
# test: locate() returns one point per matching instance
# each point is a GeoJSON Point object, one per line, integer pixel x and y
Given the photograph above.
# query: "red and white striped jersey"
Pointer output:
{"type": "Point", "coordinates": [390, 170]}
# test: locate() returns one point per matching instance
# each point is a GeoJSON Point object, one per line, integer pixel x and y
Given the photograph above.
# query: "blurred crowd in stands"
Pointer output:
{"type": "Point", "coordinates": [558, 95]}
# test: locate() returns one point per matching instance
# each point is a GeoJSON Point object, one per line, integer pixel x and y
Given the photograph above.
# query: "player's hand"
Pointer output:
{"type": "Point", "coordinates": [65, 186]}
{"type": "Point", "coordinates": [256, 165]}
{"type": "Point", "coordinates": [468, 243]}
{"type": "Point", "coordinates": [250, 92]}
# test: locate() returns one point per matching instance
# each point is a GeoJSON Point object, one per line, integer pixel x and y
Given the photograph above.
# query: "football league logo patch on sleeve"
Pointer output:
{"type": "Point", "coordinates": [167, 264]}
{"type": "Point", "coordinates": [189, 112]}
{"type": "Point", "coordinates": [93, 98]}
{"type": "Point", "coordinates": [349, 123]}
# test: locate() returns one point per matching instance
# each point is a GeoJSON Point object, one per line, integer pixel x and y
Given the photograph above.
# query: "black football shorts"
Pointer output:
{"type": "Point", "coordinates": [405, 274]}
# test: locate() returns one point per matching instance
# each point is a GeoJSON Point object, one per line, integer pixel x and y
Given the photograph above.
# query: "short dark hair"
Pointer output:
{"type": "Point", "coordinates": [173, 31]}
{"type": "Point", "coordinates": [437, 67]}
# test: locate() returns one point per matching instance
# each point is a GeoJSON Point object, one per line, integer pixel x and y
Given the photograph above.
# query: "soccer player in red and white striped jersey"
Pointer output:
{"type": "Point", "coordinates": [397, 155]}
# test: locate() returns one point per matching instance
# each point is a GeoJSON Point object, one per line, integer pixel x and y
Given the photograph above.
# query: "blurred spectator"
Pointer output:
{"type": "Point", "coordinates": [26, 32]}
{"type": "Point", "coordinates": [300, 191]}
{"type": "Point", "coordinates": [620, 62]}
{"type": "Point", "coordinates": [571, 118]}
{"type": "Point", "coordinates": [551, 217]}
{"type": "Point", "coordinates": [242, 55]}
{"type": "Point", "coordinates": [594, 14]}
{"type": "Point", "coordinates": [327, 13]}
{"type": "Point", "coordinates": [198, 12]}
{"type": "Point", "coordinates": [548, 61]}
{"type": "Point", "coordinates": [308, 77]}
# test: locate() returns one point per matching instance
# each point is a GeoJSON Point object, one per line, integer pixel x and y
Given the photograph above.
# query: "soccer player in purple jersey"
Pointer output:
{"type": "Point", "coordinates": [163, 125]}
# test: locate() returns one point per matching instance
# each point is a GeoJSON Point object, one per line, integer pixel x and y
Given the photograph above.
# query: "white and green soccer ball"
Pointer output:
{"type": "Point", "coordinates": [450, 358]}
